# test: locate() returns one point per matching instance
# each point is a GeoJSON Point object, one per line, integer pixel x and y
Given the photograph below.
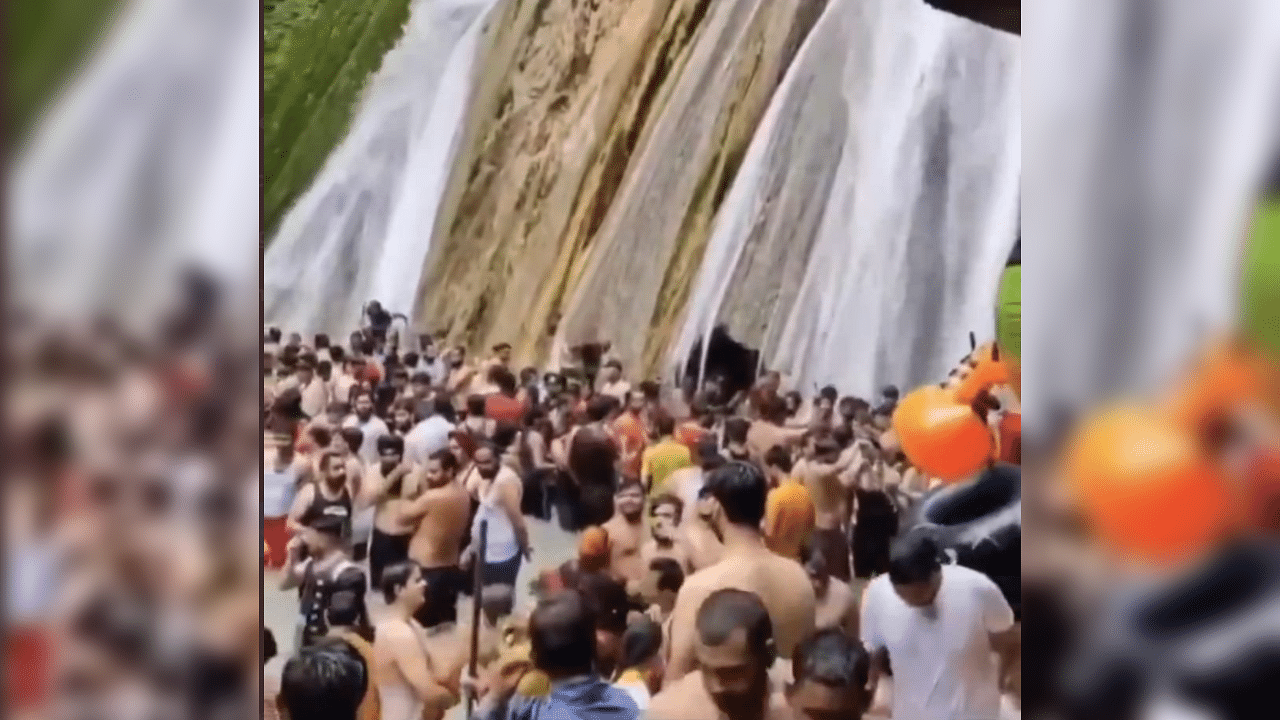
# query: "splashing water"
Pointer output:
{"type": "Point", "coordinates": [363, 229]}
{"type": "Point", "coordinates": [888, 221]}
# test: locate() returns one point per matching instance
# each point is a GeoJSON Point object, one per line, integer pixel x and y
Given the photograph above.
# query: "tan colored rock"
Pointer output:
{"type": "Point", "coordinates": [601, 139]}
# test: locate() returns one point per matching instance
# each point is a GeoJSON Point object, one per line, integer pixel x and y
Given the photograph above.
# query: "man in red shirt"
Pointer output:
{"type": "Point", "coordinates": [504, 406]}
{"type": "Point", "coordinates": [697, 426]}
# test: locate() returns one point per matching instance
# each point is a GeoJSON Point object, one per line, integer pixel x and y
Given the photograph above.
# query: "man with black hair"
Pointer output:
{"type": "Point", "coordinates": [431, 434]}
{"type": "Point", "coordinates": [592, 454]}
{"type": "Point", "coordinates": [823, 472]}
{"type": "Point", "coordinates": [562, 633]}
{"type": "Point", "coordinates": [409, 685]}
{"type": "Point", "coordinates": [837, 604]}
{"type": "Point", "coordinates": [439, 512]}
{"type": "Point", "coordinates": [323, 682]}
{"type": "Point", "coordinates": [349, 623]}
{"type": "Point", "coordinates": [660, 588]}
{"type": "Point", "coordinates": [736, 431]}
{"type": "Point", "coordinates": [383, 490]}
{"type": "Point", "coordinates": [610, 606]}
{"type": "Point", "coordinates": [940, 625]}
{"type": "Point", "coordinates": [735, 651]}
{"type": "Point", "coordinates": [665, 540]}
{"type": "Point", "coordinates": [736, 508]}
{"type": "Point", "coordinates": [771, 430]}
{"type": "Point", "coordinates": [888, 401]}
{"type": "Point", "coordinates": [370, 425]}
{"type": "Point", "coordinates": [504, 406]}
{"type": "Point", "coordinates": [830, 672]}
{"type": "Point", "coordinates": [325, 571]}
{"type": "Point", "coordinates": [611, 381]}
{"type": "Point", "coordinates": [627, 534]}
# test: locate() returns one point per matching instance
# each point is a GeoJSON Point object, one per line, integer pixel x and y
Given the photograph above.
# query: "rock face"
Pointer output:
{"type": "Point", "coordinates": [602, 139]}
{"type": "Point", "coordinates": [836, 183]}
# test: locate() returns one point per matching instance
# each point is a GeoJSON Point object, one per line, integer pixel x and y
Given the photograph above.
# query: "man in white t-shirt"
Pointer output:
{"type": "Point", "coordinates": [946, 631]}
{"type": "Point", "coordinates": [431, 434]}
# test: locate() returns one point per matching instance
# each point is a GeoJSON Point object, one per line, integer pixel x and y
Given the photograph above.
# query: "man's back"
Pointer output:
{"type": "Point", "coordinates": [437, 542]}
{"type": "Point", "coordinates": [782, 585]}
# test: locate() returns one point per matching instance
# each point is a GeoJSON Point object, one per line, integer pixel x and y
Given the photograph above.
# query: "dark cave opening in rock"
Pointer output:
{"type": "Point", "coordinates": [728, 360]}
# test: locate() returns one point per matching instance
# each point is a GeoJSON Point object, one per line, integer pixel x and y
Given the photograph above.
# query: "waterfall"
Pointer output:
{"type": "Point", "coordinates": [362, 230]}
{"type": "Point", "coordinates": [148, 146]}
{"type": "Point", "coordinates": [888, 219]}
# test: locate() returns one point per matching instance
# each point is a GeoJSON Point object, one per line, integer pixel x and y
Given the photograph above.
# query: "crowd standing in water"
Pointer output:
{"type": "Point", "coordinates": [739, 556]}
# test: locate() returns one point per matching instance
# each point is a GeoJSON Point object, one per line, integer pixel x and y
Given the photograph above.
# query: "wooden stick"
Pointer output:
{"type": "Point", "coordinates": [477, 593]}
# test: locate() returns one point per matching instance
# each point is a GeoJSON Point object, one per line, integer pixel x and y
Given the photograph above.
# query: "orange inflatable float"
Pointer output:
{"type": "Point", "coordinates": [1155, 483]}
{"type": "Point", "coordinates": [1145, 486]}
{"type": "Point", "coordinates": [943, 429]}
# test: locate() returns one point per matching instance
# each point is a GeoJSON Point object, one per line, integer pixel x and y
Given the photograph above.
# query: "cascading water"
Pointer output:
{"type": "Point", "coordinates": [362, 230]}
{"type": "Point", "coordinates": [122, 185]}
{"type": "Point", "coordinates": [890, 256]}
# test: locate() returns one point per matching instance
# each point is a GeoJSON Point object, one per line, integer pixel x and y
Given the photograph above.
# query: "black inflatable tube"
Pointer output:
{"type": "Point", "coordinates": [978, 524]}
{"type": "Point", "coordinates": [1003, 15]}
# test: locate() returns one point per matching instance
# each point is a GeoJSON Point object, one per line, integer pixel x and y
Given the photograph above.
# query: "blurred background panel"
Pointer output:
{"type": "Point", "coordinates": [132, 243]}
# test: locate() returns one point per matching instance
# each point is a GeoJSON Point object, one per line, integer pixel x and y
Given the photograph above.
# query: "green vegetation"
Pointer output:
{"type": "Point", "coordinates": [318, 55]}
{"type": "Point", "coordinates": [47, 41]}
{"type": "Point", "coordinates": [1262, 279]}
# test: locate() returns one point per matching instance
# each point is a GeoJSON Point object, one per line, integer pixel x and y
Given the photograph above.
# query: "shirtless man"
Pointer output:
{"type": "Point", "coordinates": [771, 430]}
{"type": "Point", "coordinates": [735, 650]}
{"type": "Point", "coordinates": [822, 470]}
{"type": "Point", "coordinates": [627, 534]}
{"type": "Point", "coordinates": [666, 540]}
{"type": "Point", "coordinates": [837, 604]}
{"type": "Point", "coordinates": [383, 489]}
{"type": "Point", "coordinates": [701, 539]}
{"type": "Point", "coordinates": [736, 432]}
{"type": "Point", "coordinates": [830, 672]}
{"type": "Point", "coordinates": [442, 513]}
{"type": "Point", "coordinates": [408, 688]}
{"type": "Point", "coordinates": [737, 508]}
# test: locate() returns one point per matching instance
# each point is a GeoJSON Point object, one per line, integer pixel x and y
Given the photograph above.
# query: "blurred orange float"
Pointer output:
{"type": "Point", "coordinates": [941, 436]}
{"type": "Point", "coordinates": [1147, 488]}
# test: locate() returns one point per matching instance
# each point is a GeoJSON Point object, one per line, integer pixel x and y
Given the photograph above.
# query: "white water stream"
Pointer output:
{"type": "Point", "coordinates": [362, 230]}
{"type": "Point", "coordinates": [138, 168]}
{"type": "Point", "coordinates": [895, 225]}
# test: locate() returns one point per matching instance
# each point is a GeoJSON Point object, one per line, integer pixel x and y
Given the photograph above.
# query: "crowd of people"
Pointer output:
{"type": "Point", "coordinates": [131, 512]}
{"type": "Point", "coordinates": [741, 552]}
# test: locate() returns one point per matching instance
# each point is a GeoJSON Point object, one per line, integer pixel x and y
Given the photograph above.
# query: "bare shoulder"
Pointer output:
{"type": "Point", "coordinates": [679, 700]}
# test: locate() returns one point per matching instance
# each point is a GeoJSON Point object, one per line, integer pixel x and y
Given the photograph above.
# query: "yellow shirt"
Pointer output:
{"type": "Point", "coordinates": [789, 518]}
{"type": "Point", "coordinates": [662, 459]}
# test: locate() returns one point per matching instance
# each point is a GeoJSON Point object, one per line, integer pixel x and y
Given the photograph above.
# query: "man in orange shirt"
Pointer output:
{"type": "Point", "coordinates": [629, 429]}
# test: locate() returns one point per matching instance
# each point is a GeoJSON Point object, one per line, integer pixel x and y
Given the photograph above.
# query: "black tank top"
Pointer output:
{"type": "Point", "coordinates": [876, 510]}
{"type": "Point", "coordinates": [592, 457]}
{"type": "Point", "coordinates": [338, 507]}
